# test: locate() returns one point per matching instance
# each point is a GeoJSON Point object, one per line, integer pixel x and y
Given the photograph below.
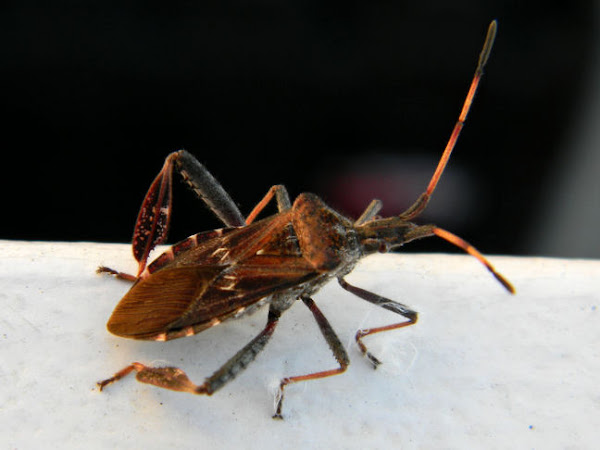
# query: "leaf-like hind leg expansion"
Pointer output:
{"type": "Point", "coordinates": [339, 352]}
{"type": "Point", "coordinates": [165, 377]}
{"type": "Point", "coordinates": [153, 220]}
{"type": "Point", "coordinates": [383, 302]}
{"type": "Point", "coordinates": [176, 379]}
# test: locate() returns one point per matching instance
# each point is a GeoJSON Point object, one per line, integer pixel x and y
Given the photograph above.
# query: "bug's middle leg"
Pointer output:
{"type": "Point", "coordinates": [281, 197]}
{"type": "Point", "coordinates": [339, 352]}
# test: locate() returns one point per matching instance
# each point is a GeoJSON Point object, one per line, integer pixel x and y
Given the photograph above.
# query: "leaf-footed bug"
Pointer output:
{"type": "Point", "coordinates": [226, 273]}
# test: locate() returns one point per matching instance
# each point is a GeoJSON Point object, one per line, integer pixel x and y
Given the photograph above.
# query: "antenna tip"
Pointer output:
{"type": "Point", "coordinates": [507, 284]}
{"type": "Point", "coordinates": [487, 46]}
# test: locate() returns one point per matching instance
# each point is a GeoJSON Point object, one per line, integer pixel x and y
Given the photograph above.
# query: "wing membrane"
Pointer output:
{"type": "Point", "coordinates": [152, 304]}
{"type": "Point", "coordinates": [181, 296]}
{"type": "Point", "coordinates": [242, 285]}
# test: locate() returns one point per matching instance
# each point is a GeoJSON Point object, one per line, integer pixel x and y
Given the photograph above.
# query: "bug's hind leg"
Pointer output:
{"type": "Point", "coordinates": [116, 273]}
{"type": "Point", "coordinates": [153, 220]}
{"type": "Point", "coordinates": [208, 189]}
{"type": "Point", "coordinates": [165, 377]}
{"type": "Point", "coordinates": [386, 303]}
{"type": "Point", "coordinates": [152, 224]}
{"type": "Point", "coordinates": [176, 379]}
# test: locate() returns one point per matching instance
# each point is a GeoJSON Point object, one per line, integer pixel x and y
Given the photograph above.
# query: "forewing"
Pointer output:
{"type": "Point", "coordinates": [201, 282]}
{"type": "Point", "coordinates": [244, 284]}
{"type": "Point", "coordinates": [235, 246]}
{"type": "Point", "coordinates": [177, 297]}
{"type": "Point", "coordinates": [153, 303]}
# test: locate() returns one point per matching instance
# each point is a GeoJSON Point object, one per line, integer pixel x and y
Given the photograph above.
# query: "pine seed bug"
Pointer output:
{"type": "Point", "coordinates": [226, 273]}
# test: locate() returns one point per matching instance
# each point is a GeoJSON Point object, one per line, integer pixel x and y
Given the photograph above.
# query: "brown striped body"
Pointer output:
{"type": "Point", "coordinates": [214, 276]}
{"type": "Point", "coordinates": [227, 273]}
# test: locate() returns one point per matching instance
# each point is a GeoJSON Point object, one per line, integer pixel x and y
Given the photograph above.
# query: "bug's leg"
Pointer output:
{"type": "Point", "coordinates": [241, 359]}
{"type": "Point", "coordinates": [165, 377]}
{"type": "Point", "coordinates": [152, 224]}
{"type": "Point", "coordinates": [116, 273]}
{"type": "Point", "coordinates": [281, 196]}
{"type": "Point", "coordinates": [386, 303]}
{"type": "Point", "coordinates": [176, 379]}
{"type": "Point", "coordinates": [339, 352]}
{"type": "Point", "coordinates": [153, 219]}
{"type": "Point", "coordinates": [208, 189]}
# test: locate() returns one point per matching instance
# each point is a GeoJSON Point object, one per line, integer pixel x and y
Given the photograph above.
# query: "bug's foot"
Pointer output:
{"type": "Point", "coordinates": [117, 376]}
{"type": "Point", "coordinates": [116, 273]}
{"type": "Point", "coordinates": [279, 400]}
{"type": "Point", "coordinates": [363, 348]}
{"type": "Point", "coordinates": [167, 378]}
{"type": "Point", "coordinates": [373, 360]}
{"type": "Point", "coordinates": [103, 383]}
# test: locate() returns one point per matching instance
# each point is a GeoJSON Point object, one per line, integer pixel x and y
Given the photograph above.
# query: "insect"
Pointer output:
{"type": "Point", "coordinates": [226, 273]}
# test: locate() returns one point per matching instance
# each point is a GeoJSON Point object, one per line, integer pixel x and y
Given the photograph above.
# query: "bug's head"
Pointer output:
{"type": "Point", "coordinates": [376, 234]}
{"type": "Point", "coordinates": [384, 234]}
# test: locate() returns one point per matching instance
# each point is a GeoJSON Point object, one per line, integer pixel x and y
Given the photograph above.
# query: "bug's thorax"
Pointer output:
{"type": "Point", "coordinates": [327, 239]}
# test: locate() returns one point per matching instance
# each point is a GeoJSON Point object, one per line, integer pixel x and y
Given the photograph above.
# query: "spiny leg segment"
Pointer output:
{"type": "Point", "coordinates": [152, 224]}
{"type": "Point", "coordinates": [176, 380]}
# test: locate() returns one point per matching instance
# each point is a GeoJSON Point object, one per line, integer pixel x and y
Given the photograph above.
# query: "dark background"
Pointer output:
{"type": "Point", "coordinates": [350, 100]}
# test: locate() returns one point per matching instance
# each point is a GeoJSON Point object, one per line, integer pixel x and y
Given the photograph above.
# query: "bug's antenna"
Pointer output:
{"type": "Point", "coordinates": [461, 243]}
{"type": "Point", "coordinates": [422, 201]}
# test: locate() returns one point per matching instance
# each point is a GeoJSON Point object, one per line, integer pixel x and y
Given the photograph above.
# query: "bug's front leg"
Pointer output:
{"type": "Point", "coordinates": [176, 379]}
{"type": "Point", "coordinates": [281, 197]}
{"type": "Point", "coordinates": [383, 302]}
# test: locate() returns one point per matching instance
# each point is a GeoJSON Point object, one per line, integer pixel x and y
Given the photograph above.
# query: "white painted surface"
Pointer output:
{"type": "Point", "coordinates": [481, 369]}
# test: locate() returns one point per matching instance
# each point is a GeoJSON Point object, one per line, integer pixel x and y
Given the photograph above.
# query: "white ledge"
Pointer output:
{"type": "Point", "coordinates": [481, 368]}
